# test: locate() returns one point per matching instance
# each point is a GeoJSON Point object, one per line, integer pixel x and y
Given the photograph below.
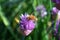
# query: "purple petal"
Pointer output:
{"type": "Point", "coordinates": [55, 10]}
{"type": "Point", "coordinates": [57, 25]}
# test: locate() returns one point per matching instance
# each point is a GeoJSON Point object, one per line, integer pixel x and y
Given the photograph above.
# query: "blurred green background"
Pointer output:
{"type": "Point", "coordinates": [11, 9]}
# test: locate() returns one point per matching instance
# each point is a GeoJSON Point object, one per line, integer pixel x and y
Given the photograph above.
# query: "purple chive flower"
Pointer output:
{"type": "Point", "coordinates": [54, 10]}
{"type": "Point", "coordinates": [26, 26]}
{"type": "Point", "coordinates": [55, 13]}
{"type": "Point", "coordinates": [57, 22]}
{"type": "Point", "coordinates": [41, 9]}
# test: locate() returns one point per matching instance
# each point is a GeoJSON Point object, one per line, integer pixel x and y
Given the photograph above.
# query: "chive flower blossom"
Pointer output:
{"type": "Point", "coordinates": [56, 14]}
{"type": "Point", "coordinates": [57, 23]}
{"type": "Point", "coordinates": [26, 24]}
{"type": "Point", "coordinates": [54, 10]}
{"type": "Point", "coordinates": [41, 9]}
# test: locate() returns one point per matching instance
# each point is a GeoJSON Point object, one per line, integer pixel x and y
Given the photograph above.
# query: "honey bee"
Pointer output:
{"type": "Point", "coordinates": [31, 17]}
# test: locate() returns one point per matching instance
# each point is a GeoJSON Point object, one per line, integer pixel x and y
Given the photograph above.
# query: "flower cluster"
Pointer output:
{"type": "Point", "coordinates": [27, 23]}
{"type": "Point", "coordinates": [56, 10]}
{"type": "Point", "coordinates": [41, 9]}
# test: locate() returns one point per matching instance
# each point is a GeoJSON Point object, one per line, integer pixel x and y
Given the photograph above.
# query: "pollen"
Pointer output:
{"type": "Point", "coordinates": [31, 17]}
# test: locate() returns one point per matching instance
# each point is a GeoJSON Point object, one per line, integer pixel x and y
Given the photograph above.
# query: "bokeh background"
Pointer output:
{"type": "Point", "coordinates": [10, 11]}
